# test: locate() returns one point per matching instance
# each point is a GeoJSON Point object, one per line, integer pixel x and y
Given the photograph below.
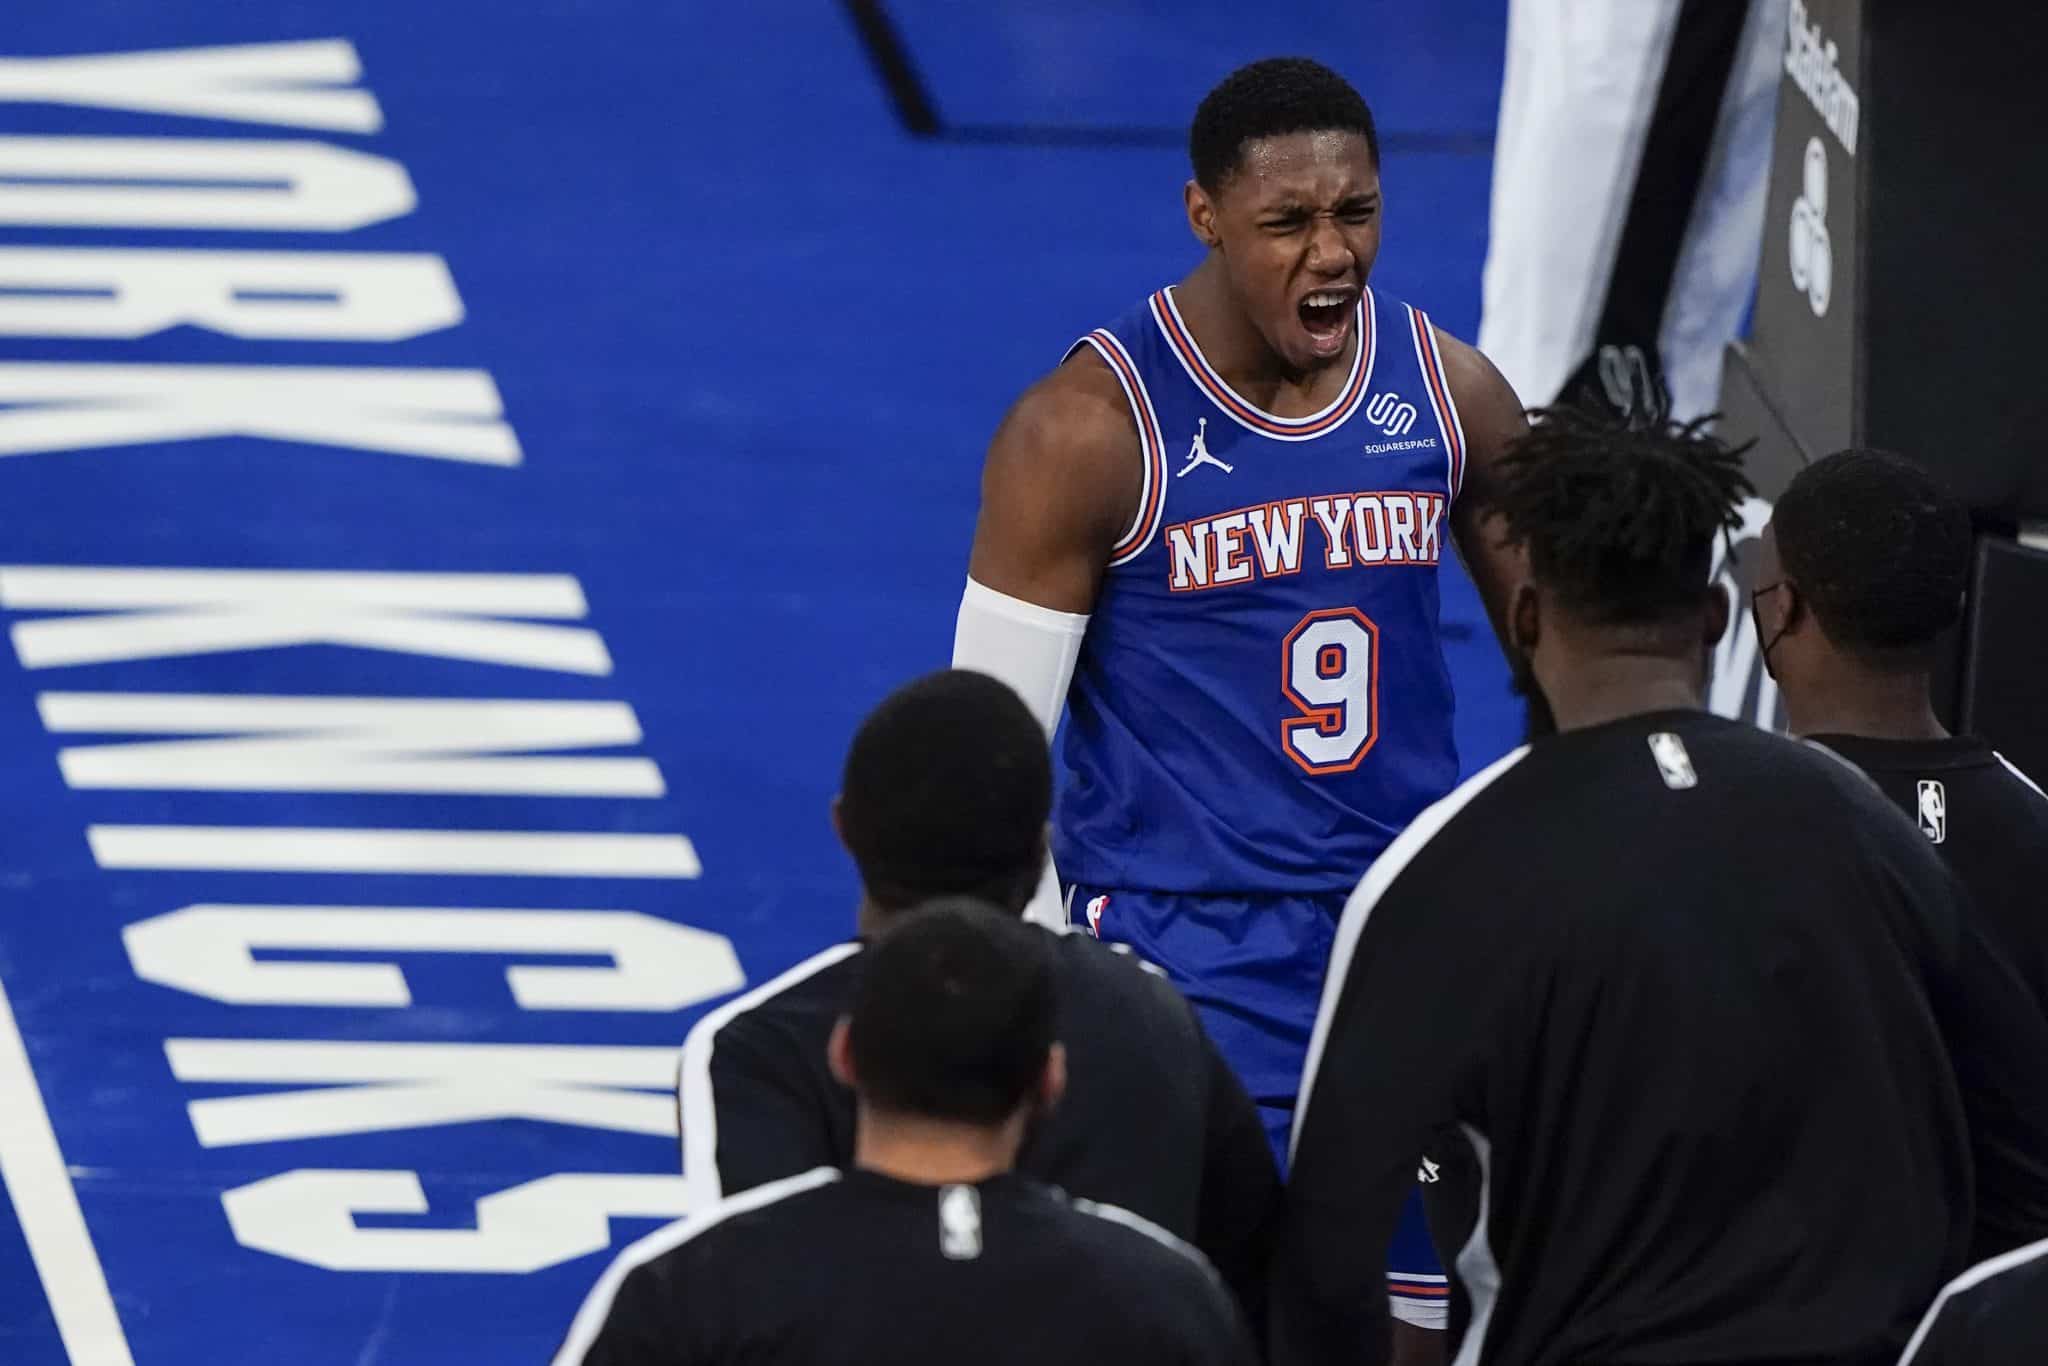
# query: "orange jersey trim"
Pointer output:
{"type": "Point", "coordinates": [1182, 341]}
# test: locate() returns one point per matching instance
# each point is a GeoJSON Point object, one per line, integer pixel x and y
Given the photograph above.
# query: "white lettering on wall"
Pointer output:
{"type": "Point", "coordinates": [163, 613]}
{"type": "Point", "coordinates": [125, 293]}
{"type": "Point", "coordinates": [656, 965]}
{"type": "Point", "coordinates": [296, 85]}
{"type": "Point", "coordinates": [309, 1216]}
{"type": "Point", "coordinates": [320, 849]}
{"type": "Point", "coordinates": [227, 183]}
{"type": "Point", "coordinates": [350, 744]}
{"type": "Point", "coordinates": [441, 414]}
{"type": "Point", "coordinates": [378, 1087]}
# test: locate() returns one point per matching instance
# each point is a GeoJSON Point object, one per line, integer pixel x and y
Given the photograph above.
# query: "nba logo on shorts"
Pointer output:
{"type": "Point", "coordinates": [1933, 810]}
{"type": "Point", "coordinates": [1096, 906]}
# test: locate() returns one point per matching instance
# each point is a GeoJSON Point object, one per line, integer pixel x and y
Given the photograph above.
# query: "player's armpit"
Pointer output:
{"type": "Point", "coordinates": [1061, 484]}
{"type": "Point", "coordinates": [1492, 418]}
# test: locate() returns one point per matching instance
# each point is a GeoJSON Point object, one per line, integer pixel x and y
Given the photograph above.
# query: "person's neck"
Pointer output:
{"type": "Point", "coordinates": [1609, 687]}
{"type": "Point", "coordinates": [1876, 706]}
{"type": "Point", "coordinates": [1238, 350]}
{"type": "Point", "coordinates": [871, 922]}
{"type": "Point", "coordinates": [934, 1152]}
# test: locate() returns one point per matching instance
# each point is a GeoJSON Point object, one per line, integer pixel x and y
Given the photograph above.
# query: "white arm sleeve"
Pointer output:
{"type": "Point", "coordinates": [1033, 649]}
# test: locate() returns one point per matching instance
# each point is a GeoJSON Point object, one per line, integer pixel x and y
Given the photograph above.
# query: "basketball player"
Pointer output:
{"type": "Point", "coordinates": [1742, 1082]}
{"type": "Point", "coordinates": [1212, 535]}
{"type": "Point", "coordinates": [945, 793]}
{"type": "Point", "coordinates": [1861, 570]}
{"type": "Point", "coordinates": [928, 1247]}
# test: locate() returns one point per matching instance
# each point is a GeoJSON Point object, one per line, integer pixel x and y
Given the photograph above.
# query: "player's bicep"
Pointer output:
{"type": "Point", "coordinates": [1058, 487]}
{"type": "Point", "coordinates": [747, 1121]}
{"type": "Point", "coordinates": [1493, 420]}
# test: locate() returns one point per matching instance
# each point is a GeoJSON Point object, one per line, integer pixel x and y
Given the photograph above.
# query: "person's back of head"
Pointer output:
{"type": "Point", "coordinates": [946, 792]}
{"type": "Point", "coordinates": [1862, 568]}
{"type": "Point", "coordinates": [1617, 517]}
{"type": "Point", "coordinates": [954, 1020]}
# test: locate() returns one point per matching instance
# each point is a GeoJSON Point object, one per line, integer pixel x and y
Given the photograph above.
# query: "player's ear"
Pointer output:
{"type": "Point", "coordinates": [839, 1053]}
{"type": "Point", "coordinates": [1052, 1082]}
{"type": "Point", "coordinates": [1201, 215]}
{"type": "Point", "coordinates": [1795, 609]}
{"type": "Point", "coordinates": [839, 822]}
{"type": "Point", "coordinates": [1525, 620]}
{"type": "Point", "coordinates": [1714, 625]}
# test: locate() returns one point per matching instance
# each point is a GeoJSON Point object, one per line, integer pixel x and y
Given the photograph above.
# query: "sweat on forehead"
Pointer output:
{"type": "Point", "coordinates": [1307, 161]}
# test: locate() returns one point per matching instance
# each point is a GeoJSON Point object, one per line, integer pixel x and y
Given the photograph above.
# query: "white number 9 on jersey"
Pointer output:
{"type": "Point", "coordinates": [1329, 669]}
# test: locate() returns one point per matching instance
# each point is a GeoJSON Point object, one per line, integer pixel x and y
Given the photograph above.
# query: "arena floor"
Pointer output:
{"type": "Point", "coordinates": [750, 334]}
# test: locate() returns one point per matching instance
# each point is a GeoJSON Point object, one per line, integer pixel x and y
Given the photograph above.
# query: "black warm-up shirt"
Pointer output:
{"type": "Point", "coordinates": [1712, 1023]}
{"type": "Point", "coordinates": [1995, 1314]}
{"type": "Point", "coordinates": [1987, 819]}
{"type": "Point", "coordinates": [1153, 1121]}
{"type": "Point", "coordinates": [858, 1269]}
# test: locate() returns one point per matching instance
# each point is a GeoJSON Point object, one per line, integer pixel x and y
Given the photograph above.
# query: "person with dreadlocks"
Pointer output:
{"type": "Point", "coordinates": [1704, 1007]}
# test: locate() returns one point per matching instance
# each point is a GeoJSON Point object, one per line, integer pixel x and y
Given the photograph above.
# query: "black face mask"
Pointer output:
{"type": "Point", "coordinates": [1756, 621]}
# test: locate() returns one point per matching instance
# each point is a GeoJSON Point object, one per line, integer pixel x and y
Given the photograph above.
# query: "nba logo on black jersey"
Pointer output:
{"type": "Point", "coordinates": [960, 1223]}
{"type": "Point", "coordinates": [1933, 806]}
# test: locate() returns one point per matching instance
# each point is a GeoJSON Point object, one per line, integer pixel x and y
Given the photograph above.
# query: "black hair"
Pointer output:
{"type": "Point", "coordinates": [1268, 99]}
{"type": "Point", "coordinates": [1878, 549]}
{"type": "Point", "coordinates": [1619, 511]}
{"type": "Point", "coordinates": [954, 1014]}
{"type": "Point", "coordinates": [947, 787]}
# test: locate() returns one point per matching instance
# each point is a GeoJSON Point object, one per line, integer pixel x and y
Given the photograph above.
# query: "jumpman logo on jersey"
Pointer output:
{"type": "Point", "coordinates": [1198, 454]}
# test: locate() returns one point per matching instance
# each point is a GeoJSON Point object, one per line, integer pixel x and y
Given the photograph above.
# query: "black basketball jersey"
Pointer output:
{"type": "Point", "coordinates": [1994, 1314]}
{"type": "Point", "coordinates": [1987, 819]}
{"type": "Point", "coordinates": [1154, 1121]}
{"type": "Point", "coordinates": [859, 1269]}
{"type": "Point", "coordinates": [1716, 1028]}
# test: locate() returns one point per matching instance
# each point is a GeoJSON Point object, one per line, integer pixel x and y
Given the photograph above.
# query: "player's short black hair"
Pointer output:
{"type": "Point", "coordinates": [1619, 511]}
{"type": "Point", "coordinates": [954, 1014]}
{"type": "Point", "coordinates": [947, 787]}
{"type": "Point", "coordinates": [1879, 549]}
{"type": "Point", "coordinates": [1271, 99]}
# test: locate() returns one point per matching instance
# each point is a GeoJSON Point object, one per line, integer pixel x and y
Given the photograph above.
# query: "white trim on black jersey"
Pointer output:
{"type": "Point", "coordinates": [1358, 910]}
{"type": "Point", "coordinates": [697, 1107]}
{"type": "Point", "coordinates": [1475, 1262]}
{"type": "Point", "coordinates": [1972, 1278]}
{"type": "Point", "coordinates": [2017, 774]}
{"type": "Point", "coordinates": [597, 1306]}
{"type": "Point", "coordinates": [1117, 1214]}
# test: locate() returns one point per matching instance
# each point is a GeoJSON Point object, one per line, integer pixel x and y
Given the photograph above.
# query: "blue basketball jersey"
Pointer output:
{"type": "Point", "coordinates": [1261, 703]}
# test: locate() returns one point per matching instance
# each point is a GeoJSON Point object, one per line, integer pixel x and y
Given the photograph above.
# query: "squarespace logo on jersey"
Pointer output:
{"type": "Point", "coordinates": [1813, 63]}
{"type": "Point", "coordinates": [1738, 685]}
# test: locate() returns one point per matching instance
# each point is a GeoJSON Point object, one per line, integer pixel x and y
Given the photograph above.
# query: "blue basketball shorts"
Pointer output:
{"type": "Point", "coordinates": [1253, 966]}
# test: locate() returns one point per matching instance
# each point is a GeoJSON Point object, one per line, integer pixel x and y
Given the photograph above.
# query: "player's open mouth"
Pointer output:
{"type": "Point", "coordinates": [1326, 317]}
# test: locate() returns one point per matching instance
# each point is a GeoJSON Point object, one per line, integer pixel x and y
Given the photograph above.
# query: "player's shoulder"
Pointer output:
{"type": "Point", "coordinates": [1487, 403]}
{"type": "Point", "coordinates": [1114, 1237]}
{"type": "Point", "coordinates": [2027, 794]}
{"type": "Point", "coordinates": [816, 988]}
{"type": "Point", "coordinates": [1074, 422]}
{"type": "Point", "coordinates": [1087, 966]}
{"type": "Point", "coordinates": [648, 1285]}
{"type": "Point", "coordinates": [1992, 1312]}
